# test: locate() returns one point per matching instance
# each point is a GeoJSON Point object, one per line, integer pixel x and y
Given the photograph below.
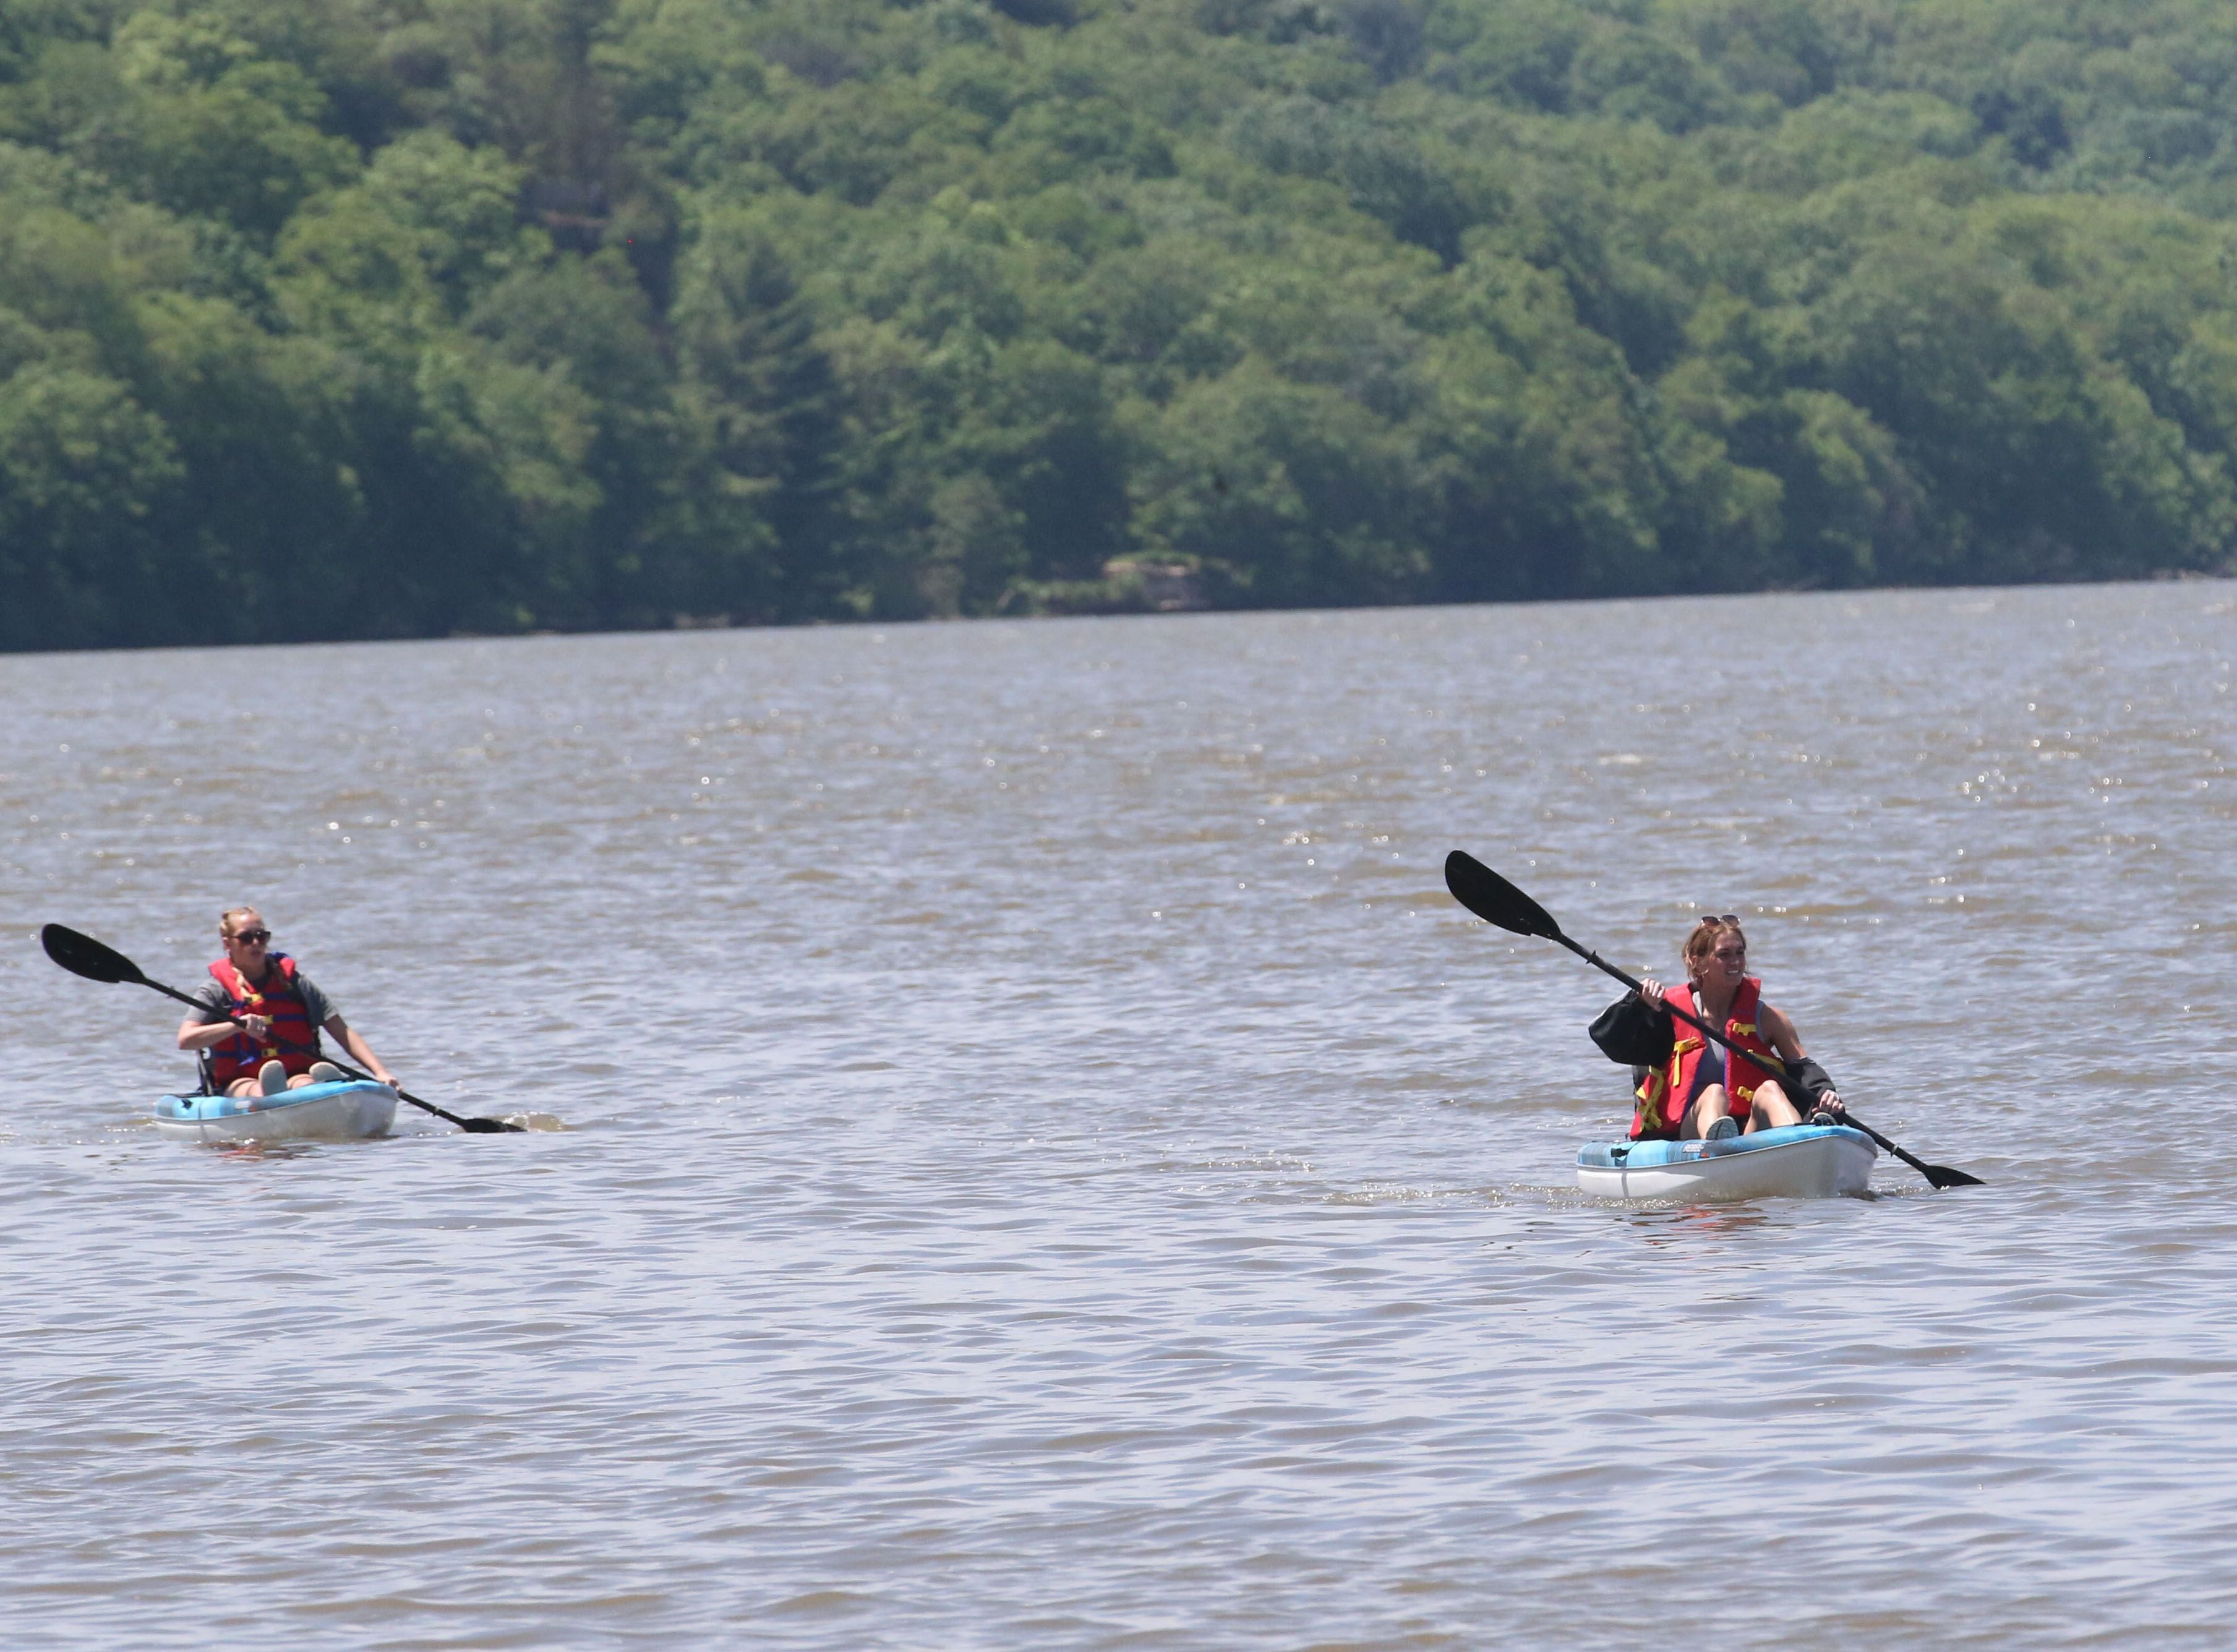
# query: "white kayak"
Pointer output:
{"type": "Point", "coordinates": [1798, 1162]}
{"type": "Point", "coordinates": [343, 1112]}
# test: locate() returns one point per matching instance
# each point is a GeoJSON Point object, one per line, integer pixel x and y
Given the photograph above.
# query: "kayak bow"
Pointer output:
{"type": "Point", "coordinates": [348, 1111]}
{"type": "Point", "coordinates": [1795, 1161]}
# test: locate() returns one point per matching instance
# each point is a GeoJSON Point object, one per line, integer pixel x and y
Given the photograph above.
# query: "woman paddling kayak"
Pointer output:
{"type": "Point", "coordinates": [257, 1021]}
{"type": "Point", "coordinates": [1692, 1088]}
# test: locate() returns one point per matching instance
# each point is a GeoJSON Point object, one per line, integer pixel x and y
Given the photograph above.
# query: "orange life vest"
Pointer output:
{"type": "Point", "coordinates": [1662, 1099]}
{"type": "Point", "coordinates": [290, 1040]}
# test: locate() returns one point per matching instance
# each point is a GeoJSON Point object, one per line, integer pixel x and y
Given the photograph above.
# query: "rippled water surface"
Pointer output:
{"type": "Point", "coordinates": [1048, 1165]}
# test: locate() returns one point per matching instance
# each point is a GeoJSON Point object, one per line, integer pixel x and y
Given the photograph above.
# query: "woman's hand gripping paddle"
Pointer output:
{"type": "Point", "coordinates": [82, 956]}
{"type": "Point", "coordinates": [1492, 898]}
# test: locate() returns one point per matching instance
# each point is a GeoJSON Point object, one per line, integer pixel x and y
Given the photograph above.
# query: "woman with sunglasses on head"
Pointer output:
{"type": "Point", "coordinates": [1700, 1089]}
{"type": "Point", "coordinates": [256, 1025]}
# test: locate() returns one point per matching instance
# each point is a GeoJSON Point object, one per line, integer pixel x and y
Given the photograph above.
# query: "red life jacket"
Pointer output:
{"type": "Point", "coordinates": [292, 1041]}
{"type": "Point", "coordinates": [1662, 1099]}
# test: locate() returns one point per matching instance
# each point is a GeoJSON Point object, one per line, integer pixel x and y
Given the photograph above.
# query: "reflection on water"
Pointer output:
{"type": "Point", "coordinates": [1044, 1162]}
{"type": "Point", "coordinates": [259, 1151]}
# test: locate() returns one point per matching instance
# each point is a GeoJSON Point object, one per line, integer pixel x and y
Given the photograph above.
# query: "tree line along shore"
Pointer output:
{"type": "Point", "coordinates": [327, 319]}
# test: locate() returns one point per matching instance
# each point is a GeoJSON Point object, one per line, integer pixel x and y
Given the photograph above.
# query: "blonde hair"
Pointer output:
{"type": "Point", "coordinates": [230, 920]}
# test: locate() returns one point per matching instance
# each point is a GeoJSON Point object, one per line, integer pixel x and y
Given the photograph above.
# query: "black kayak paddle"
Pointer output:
{"type": "Point", "coordinates": [1492, 898]}
{"type": "Point", "coordinates": [82, 956]}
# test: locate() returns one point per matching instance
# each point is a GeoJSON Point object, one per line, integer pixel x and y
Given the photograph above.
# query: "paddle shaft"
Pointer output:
{"type": "Point", "coordinates": [1779, 1069]}
{"type": "Point", "coordinates": [402, 1094]}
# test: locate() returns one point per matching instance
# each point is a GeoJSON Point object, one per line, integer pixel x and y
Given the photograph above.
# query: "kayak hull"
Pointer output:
{"type": "Point", "coordinates": [346, 1112]}
{"type": "Point", "coordinates": [1798, 1162]}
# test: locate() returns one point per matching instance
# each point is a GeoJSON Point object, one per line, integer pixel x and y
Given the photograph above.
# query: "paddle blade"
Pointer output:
{"type": "Point", "coordinates": [82, 956]}
{"type": "Point", "coordinates": [489, 1126]}
{"type": "Point", "coordinates": [1492, 898]}
{"type": "Point", "coordinates": [1943, 1176]}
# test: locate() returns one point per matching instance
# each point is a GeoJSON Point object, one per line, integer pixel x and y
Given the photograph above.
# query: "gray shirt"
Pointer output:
{"type": "Point", "coordinates": [216, 1004]}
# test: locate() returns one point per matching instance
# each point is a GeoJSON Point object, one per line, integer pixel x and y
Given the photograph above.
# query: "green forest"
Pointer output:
{"type": "Point", "coordinates": [326, 318]}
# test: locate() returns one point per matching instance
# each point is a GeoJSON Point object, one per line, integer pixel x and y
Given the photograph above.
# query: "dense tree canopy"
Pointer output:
{"type": "Point", "coordinates": [349, 318]}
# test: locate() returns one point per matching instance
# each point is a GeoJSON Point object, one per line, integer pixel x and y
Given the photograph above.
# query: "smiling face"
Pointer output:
{"type": "Point", "coordinates": [1716, 956]}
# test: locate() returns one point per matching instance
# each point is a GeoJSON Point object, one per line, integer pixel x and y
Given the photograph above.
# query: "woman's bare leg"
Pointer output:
{"type": "Point", "coordinates": [1771, 1109]}
{"type": "Point", "coordinates": [1709, 1107]}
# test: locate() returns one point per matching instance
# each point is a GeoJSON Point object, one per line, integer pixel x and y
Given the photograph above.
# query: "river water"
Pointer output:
{"type": "Point", "coordinates": [1046, 1164]}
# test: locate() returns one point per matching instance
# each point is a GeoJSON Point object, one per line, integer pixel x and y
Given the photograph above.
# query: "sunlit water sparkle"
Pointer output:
{"type": "Point", "coordinates": [1047, 1164]}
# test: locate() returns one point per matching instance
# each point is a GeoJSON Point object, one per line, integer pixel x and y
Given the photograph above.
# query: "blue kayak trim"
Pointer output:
{"type": "Point", "coordinates": [203, 1109]}
{"type": "Point", "coordinates": [1645, 1156]}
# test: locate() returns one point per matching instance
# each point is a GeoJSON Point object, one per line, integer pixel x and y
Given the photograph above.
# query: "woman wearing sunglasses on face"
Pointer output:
{"type": "Point", "coordinates": [1703, 1090]}
{"type": "Point", "coordinates": [257, 1018]}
